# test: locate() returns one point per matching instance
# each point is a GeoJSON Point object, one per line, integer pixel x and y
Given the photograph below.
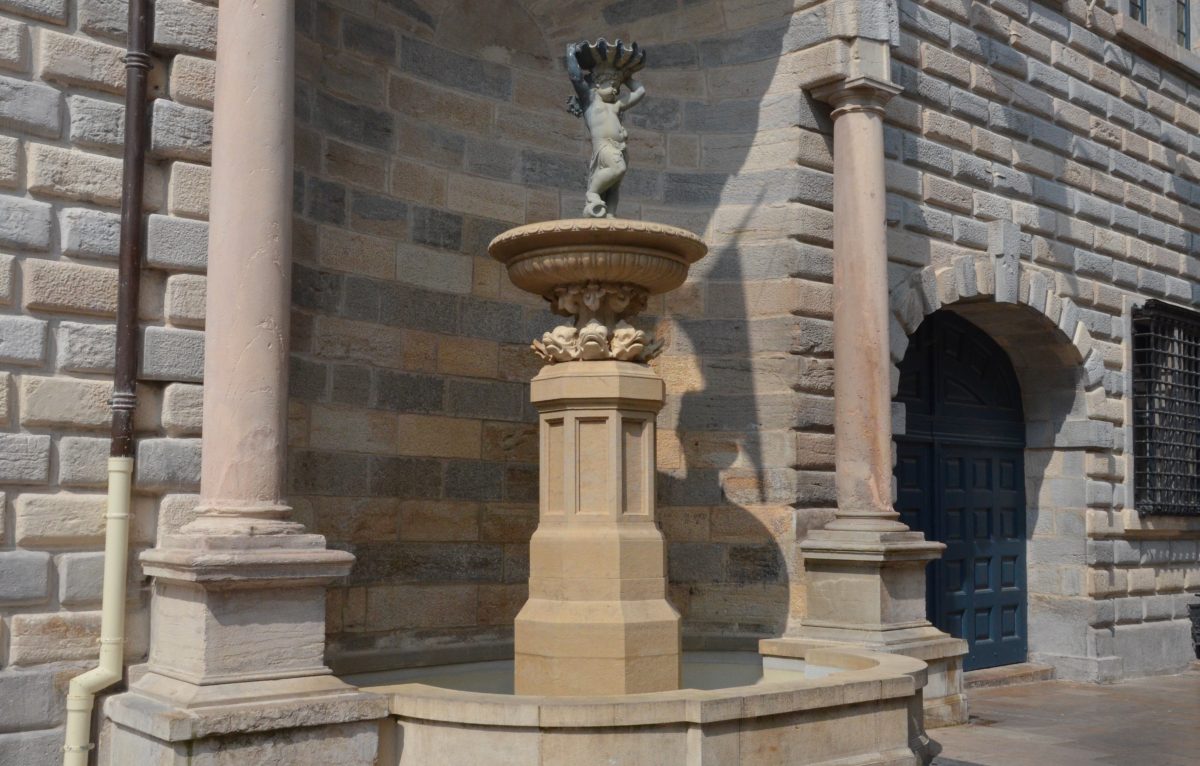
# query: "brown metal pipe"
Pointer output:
{"type": "Point", "coordinates": [137, 68]}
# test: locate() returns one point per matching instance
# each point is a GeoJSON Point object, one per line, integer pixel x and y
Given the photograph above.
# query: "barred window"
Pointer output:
{"type": "Point", "coordinates": [1137, 10]}
{"type": "Point", "coordinates": [1166, 409]}
{"type": "Point", "coordinates": [1183, 22]}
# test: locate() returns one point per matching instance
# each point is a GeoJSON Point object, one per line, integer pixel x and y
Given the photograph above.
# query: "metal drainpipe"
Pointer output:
{"type": "Point", "coordinates": [83, 688]}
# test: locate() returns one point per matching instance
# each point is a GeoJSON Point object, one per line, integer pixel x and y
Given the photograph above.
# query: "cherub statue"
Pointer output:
{"type": "Point", "coordinates": [598, 71]}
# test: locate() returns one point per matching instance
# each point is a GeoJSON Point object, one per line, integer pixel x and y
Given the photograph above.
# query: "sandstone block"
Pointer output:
{"type": "Point", "coordinates": [80, 578]}
{"type": "Point", "coordinates": [83, 461]}
{"type": "Point", "coordinates": [30, 700]}
{"type": "Point", "coordinates": [172, 355]}
{"type": "Point", "coordinates": [25, 224]}
{"type": "Point", "coordinates": [40, 638]}
{"type": "Point", "coordinates": [176, 243]}
{"type": "Point", "coordinates": [22, 340]}
{"type": "Point", "coordinates": [86, 347]}
{"type": "Point", "coordinates": [168, 464]}
{"type": "Point", "coordinates": [90, 233]}
{"type": "Point", "coordinates": [30, 107]}
{"type": "Point", "coordinates": [183, 409]}
{"type": "Point", "coordinates": [183, 25]}
{"type": "Point", "coordinates": [185, 299]}
{"type": "Point", "coordinates": [10, 162]}
{"type": "Point", "coordinates": [59, 520]}
{"type": "Point", "coordinates": [64, 402]}
{"type": "Point", "coordinates": [69, 288]}
{"type": "Point", "coordinates": [76, 60]}
{"type": "Point", "coordinates": [14, 45]}
{"type": "Point", "coordinates": [24, 458]}
{"type": "Point", "coordinates": [24, 577]}
{"type": "Point", "coordinates": [74, 175]}
{"type": "Point", "coordinates": [180, 132]}
{"type": "Point", "coordinates": [192, 80]}
{"type": "Point", "coordinates": [96, 123]}
{"type": "Point", "coordinates": [188, 189]}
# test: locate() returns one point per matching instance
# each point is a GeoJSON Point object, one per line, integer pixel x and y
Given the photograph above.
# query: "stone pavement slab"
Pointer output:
{"type": "Point", "coordinates": [1150, 721]}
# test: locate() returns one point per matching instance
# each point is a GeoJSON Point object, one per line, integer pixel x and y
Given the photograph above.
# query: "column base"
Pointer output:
{"type": "Point", "coordinates": [866, 588]}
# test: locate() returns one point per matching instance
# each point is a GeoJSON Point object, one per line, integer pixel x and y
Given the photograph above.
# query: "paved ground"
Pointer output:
{"type": "Point", "coordinates": [1147, 722]}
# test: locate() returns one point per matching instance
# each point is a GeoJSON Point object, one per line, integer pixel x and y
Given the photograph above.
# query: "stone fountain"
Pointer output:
{"type": "Point", "coordinates": [598, 674]}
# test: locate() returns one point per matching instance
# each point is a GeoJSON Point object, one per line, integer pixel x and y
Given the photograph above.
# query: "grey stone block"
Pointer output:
{"type": "Point", "coordinates": [417, 309]}
{"type": "Point", "coordinates": [43, 746]}
{"type": "Point", "coordinates": [24, 577]}
{"type": "Point", "coordinates": [22, 340]}
{"type": "Point", "coordinates": [25, 224]}
{"type": "Point", "coordinates": [921, 19]}
{"type": "Point", "coordinates": [358, 124]}
{"type": "Point", "coordinates": [30, 699]}
{"type": "Point", "coordinates": [541, 169]}
{"type": "Point", "coordinates": [695, 562]}
{"type": "Point", "coordinates": [307, 379]}
{"type": "Point", "coordinates": [183, 25]}
{"type": "Point", "coordinates": [83, 461]}
{"type": "Point", "coordinates": [168, 464]}
{"type": "Point", "coordinates": [407, 392]}
{"type": "Point", "coordinates": [325, 201]}
{"type": "Point", "coordinates": [928, 220]}
{"type": "Point", "coordinates": [24, 458]}
{"type": "Point", "coordinates": [95, 122]}
{"type": "Point", "coordinates": [327, 473]}
{"type": "Point", "coordinates": [86, 347]}
{"type": "Point", "coordinates": [474, 480]}
{"type": "Point", "coordinates": [351, 384]}
{"type": "Point", "coordinates": [172, 355]}
{"type": "Point", "coordinates": [1047, 21]}
{"type": "Point", "coordinates": [316, 290]}
{"type": "Point", "coordinates": [80, 578]}
{"type": "Point", "coordinates": [90, 233]}
{"type": "Point", "coordinates": [30, 107]}
{"type": "Point", "coordinates": [378, 214]}
{"type": "Point", "coordinates": [176, 243]}
{"type": "Point", "coordinates": [368, 38]}
{"type": "Point", "coordinates": [491, 399]}
{"type": "Point", "coordinates": [1010, 121]}
{"type": "Point", "coordinates": [104, 18]}
{"type": "Point", "coordinates": [927, 154]}
{"type": "Point", "coordinates": [436, 228]}
{"type": "Point", "coordinates": [417, 478]}
{"type": "Point", "coordinates": [180, 132]}
{"type": "Point", "coordinates": [501, 322]}
{"type": "Point", "coordinates": [455, 70]}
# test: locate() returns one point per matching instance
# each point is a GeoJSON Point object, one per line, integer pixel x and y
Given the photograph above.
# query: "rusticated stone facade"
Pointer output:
{"type": "Point", "coordinates": [1043, 178]}
{"type": "Point", "coordinates": [62, 81]}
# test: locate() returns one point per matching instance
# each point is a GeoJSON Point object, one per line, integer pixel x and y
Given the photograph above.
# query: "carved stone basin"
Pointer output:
{"type": "Point", "coordinates": [650, 256]}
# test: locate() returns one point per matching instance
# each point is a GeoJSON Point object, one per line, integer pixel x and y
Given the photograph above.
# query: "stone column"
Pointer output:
{"type": "Point", "coordinates": [238, 612]}
{"type": "Point", "coordinates": [865, 571]}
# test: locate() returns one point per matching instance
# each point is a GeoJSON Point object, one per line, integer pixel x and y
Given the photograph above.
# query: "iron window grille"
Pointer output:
{"type": "Point", "coordinates": [1137, 10]}
{"type": "Point", "coordinates": [1166, 409]}
{"type": "Point", "coordinates": [1183, 16]}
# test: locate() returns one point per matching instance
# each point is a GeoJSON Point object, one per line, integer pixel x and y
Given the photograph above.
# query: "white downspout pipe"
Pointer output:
{"type": "Point", "coordinates": [83, 688]}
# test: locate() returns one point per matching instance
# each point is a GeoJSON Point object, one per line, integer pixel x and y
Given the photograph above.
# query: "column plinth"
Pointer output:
{"type": "Point", "coordinates": [865, 571]}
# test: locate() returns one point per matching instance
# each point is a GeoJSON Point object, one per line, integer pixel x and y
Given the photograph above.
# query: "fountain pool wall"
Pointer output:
{"type": "Point", "coordinates": [833, 708]}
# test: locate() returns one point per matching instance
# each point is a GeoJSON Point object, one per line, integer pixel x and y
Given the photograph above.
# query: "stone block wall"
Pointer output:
{"type": "Point", "coordinates": [1072, 125]}
{"type": "Point", "coordinates": [425, 129]}
{"type": "Point", "coordinates": [61, 133]}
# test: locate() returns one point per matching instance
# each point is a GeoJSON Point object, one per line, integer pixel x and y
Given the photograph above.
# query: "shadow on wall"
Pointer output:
{"type": "Point", "coordinates": [424, 128]}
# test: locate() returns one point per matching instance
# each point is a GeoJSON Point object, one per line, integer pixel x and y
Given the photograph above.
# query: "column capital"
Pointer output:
{"type": "Point", "coordinates": [857, 94]}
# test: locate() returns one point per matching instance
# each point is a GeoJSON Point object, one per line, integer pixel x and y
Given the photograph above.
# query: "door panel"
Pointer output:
{"type": "Point", "coordinates": [960, 479]}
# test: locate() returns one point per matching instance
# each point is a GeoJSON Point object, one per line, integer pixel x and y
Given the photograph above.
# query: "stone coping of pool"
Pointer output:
{"type": "Point", "coordinates": [857, 677]}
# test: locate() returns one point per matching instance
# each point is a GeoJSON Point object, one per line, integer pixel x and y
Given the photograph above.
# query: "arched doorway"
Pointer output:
{"type": "Point", "coordinates": [960, 477]}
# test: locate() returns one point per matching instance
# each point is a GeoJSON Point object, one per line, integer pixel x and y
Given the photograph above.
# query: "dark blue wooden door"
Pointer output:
{"type": "Point", "coordinates": [960, 479]}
